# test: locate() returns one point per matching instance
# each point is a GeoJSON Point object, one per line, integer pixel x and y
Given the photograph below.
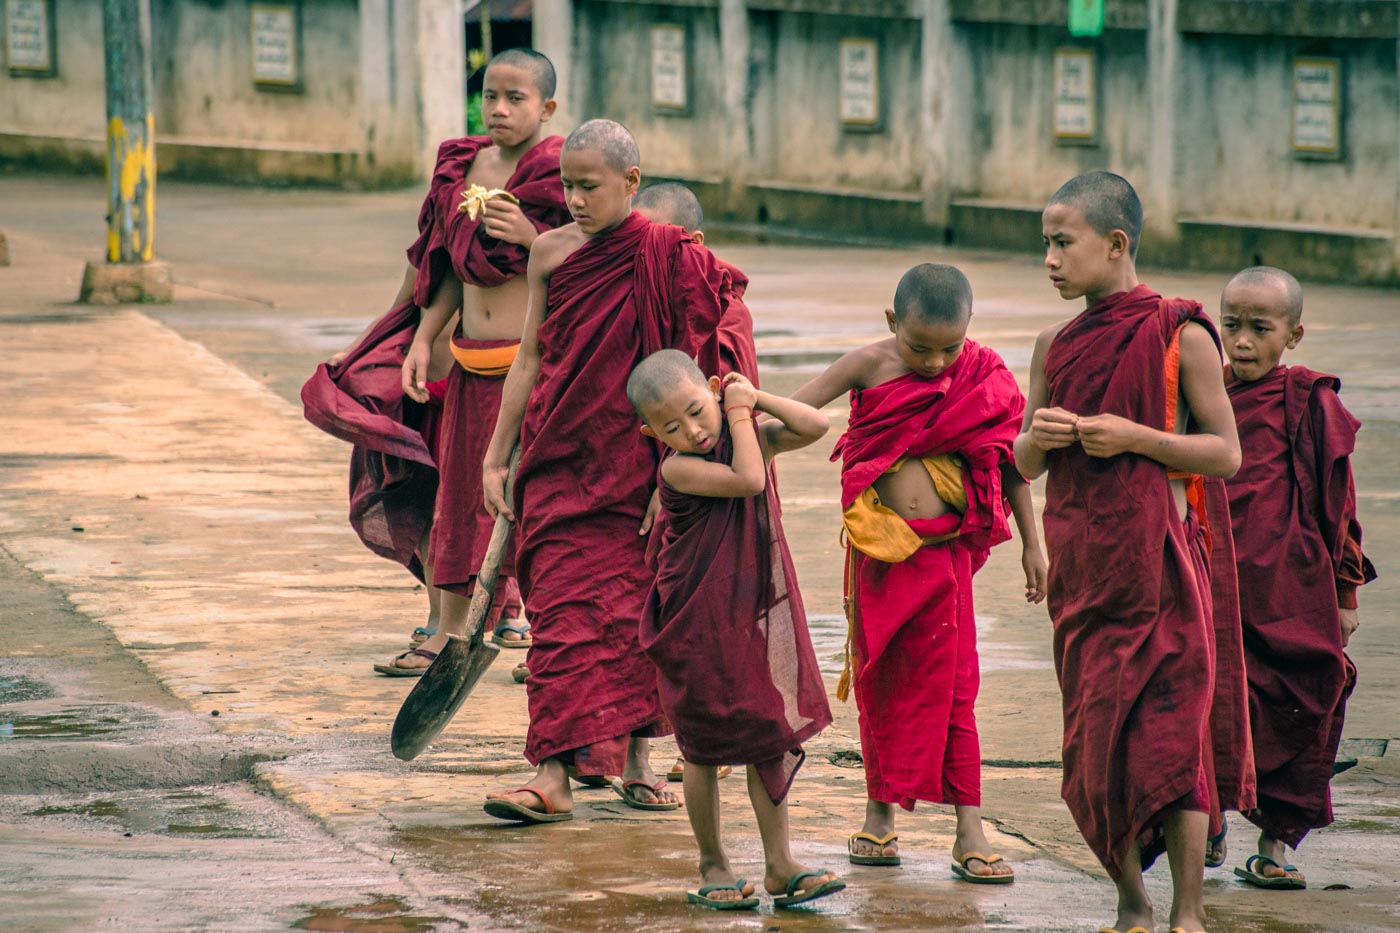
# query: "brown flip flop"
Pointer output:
{"type": "Point", "coordinates": [510, 810]}
{"type": "Point", "coordinates": [625, 790]}
{"type": "Point", "coordinates": [392, 669]}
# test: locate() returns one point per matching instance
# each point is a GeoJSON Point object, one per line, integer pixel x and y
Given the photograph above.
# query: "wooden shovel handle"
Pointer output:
{"type": "Point", "coordinates": [485, 589]}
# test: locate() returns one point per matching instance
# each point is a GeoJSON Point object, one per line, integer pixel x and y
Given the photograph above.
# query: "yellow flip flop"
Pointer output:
{"type": "Point", "coordinates": [879, 842]}
{"type": "Point", "coordinates": [961, 870]}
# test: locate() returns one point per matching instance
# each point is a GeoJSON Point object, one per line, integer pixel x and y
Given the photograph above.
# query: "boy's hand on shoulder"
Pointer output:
{"type": "Point", "coordinates": [739, 392]}
{"type": "Point", "coordinates": [1108, 435]}
{"type": "Point", "coordinates": [1053, 428]}
{"type": "Point", "coordinates": [1349, 622]}
{"type": "Point", "coordinates": [1037, 574]}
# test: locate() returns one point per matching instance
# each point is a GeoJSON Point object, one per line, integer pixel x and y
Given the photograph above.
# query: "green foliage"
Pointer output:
{"type": "Point", "coordinates": [476, 126]}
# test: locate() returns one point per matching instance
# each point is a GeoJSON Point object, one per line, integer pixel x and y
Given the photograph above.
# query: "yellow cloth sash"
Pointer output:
{"type": "Point", "coordinates": [485, 361]}
{"type": "Point", "coordinates": [879, 532]}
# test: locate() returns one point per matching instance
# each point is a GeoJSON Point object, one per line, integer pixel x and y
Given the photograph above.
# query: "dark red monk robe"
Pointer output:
{"type": "Point", "coordinates": [914, 640]}
{"type": "Point", "coordinates": [725, 626]}
{"type": "Point", "coordinates": [393, 479]}
{"type": "Point", "coordinates": [1299, 552]}
{"type": "Point", "coordinates": [585, 479]}
{"type": "Point", "coordinates": [451, 242]}
{"type": "Point", "coordinates": [737, 353]}
{"type": "Point", "coordinates": [1129, 594]}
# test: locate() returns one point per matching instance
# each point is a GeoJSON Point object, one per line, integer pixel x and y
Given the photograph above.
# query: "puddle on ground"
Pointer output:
{"type": "Point", "coordinates": [15, 688]}
{"type": "Point", "coordinates": [385, 915]}
{"type": "Point", "coordinates": [59, 726]}
{"type": "Point", "coordinates": [180, 813]}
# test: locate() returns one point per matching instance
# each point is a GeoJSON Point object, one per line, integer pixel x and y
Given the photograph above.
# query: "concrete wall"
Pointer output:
{"type": "Point", "coordinates": [1194, 109]}
{"type": "Point", "coordinates": [381, 85]}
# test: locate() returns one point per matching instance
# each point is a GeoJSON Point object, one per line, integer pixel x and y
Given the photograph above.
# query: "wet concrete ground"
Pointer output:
{"type": "Point", "coordinates": [187, 532]}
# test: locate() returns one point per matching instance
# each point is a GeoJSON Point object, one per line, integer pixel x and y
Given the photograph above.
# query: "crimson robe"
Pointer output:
{"type": "Point", "coordinates": [1129, 590]}
{"type": "Point", "coordinates": [724, 624]}
{"type": "Point", "coordinates": [737, 353]}
{"type": "Point", "coordinates": [585, 478]}
{"type": "Point", "coordinates": [914, 640]}
{"type": "Point", "coordinates": [450, 241]}
{"type": "Point", "coordinates": [1300, 560]}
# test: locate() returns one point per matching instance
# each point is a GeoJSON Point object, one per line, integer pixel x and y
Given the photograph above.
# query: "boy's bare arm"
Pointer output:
{"type": "Point", "coordinates": [1018, 494]}
{"type": "Point", "coordinates": [520, 382]}
{"type": "Point", "coordinates": [1214, 451]}
{"type": "Point", "coordinates": [840, 377]}
{"type": "Point", "coordinates": [792, 425]}
{"type": "Point", "coordinates": [1042, 428]}
{"type": "Point", "coordinates": [446, 300]}
{"type": "Point", "coordinates": [745, 475]}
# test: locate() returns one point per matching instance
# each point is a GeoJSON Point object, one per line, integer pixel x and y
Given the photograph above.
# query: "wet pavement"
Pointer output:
{"type": "Point", "coordinates": [190, 734]}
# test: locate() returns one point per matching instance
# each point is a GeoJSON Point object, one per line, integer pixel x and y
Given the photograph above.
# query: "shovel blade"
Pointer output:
{"type": "Point", "coordinates": [439, 693]}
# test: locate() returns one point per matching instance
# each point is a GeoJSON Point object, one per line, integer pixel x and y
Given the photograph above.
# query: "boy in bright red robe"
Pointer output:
{"type": "Point", "coordinates": [1298, 546]}
{"type": "Point", "coordinates": [1130, 594]}
{"type": "Point", "coordinates": [605, 291]}
{"type": "Point", "coordinates": [723, 621]}
{"type": "Point", "coordinates": [926, 477]}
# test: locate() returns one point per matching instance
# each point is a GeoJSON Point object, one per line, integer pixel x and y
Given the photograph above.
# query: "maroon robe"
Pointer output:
{"type": "Point", "coordinates": [1129, 592]}
{"type": "Point", "coordinates": [724, 624]}
{"type": "Point", "coordinates": [737, 353]}
{"type": "Point", "coordinates": [450, 241]}
{"type": "Point", "coordinates": [393, 479]}
{"type": "Point", "coordinates": [914, 640]}
{"type": "Point", "coordinates": [1299, 554]}
{"type": "Point", "coordinates": [585, 478]}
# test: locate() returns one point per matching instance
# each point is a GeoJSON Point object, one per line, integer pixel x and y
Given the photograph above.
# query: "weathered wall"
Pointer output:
{"type": "Point", "coordinates": [372, 92]}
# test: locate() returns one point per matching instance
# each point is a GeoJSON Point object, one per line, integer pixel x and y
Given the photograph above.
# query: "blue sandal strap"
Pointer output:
{"type": "Point", "coordinates": [801, 877]}
{"type": "Point", "coordinates": [504, 626]}
{"type": "Point", "coordinates": [736, 886]}
{"type": "Point", "coordinates": [1260, 857]}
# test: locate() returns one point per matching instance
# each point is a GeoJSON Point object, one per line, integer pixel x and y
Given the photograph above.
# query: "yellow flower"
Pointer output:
{"type": "Point", "coordinates": [474, 199]}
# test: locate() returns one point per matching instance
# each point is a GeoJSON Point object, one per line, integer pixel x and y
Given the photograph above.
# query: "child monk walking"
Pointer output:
{"type": "Point", "coordinates": [1129, 593]}
{"type": "Point", "coordinates": [605, 291]}
{"type": "Point", "coordinates": [926, 472]}
{"type": "Point", "coordinates": [471, 255]}
{"type": "Point", "coordinates": [724, 621]}
{"type": "Point", "coordinates": [1298, 543]}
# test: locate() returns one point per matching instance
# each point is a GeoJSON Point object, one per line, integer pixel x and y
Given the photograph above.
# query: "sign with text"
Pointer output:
{"type": "Point", "coordinates": [274, 42]}
{"type": "Point", "coordinates": [860, 82]}
{"type": "Point", "coordinates": [1075, 117]}
{"type": "Point", "coordinates": [1317, 109]}
{"type": "Point", "coordinates": [668, 68]}
{"type": "Point", "coordinates": [29, 37]}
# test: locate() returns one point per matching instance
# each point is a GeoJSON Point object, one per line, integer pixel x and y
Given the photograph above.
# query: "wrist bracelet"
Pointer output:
{"type": "Point", "coordinates": [733, 408]}
{"type": "Point", "coordinates": [740, 421]}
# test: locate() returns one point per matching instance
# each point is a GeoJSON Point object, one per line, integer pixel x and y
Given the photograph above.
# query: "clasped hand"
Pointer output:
{"type": "Point", "coordinates": [1101, 435]}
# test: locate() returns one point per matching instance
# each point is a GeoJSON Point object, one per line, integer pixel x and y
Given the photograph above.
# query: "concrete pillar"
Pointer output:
{"type": "Point", "coordinates": [943, 115]}
{"type": "Point", "coordinates": [736, 151]}
{"type": "Point", "coordinates": [1158, 190]}
{"type": "Point", "coordinates": [553, 26]}
{"type": "Point", "coordinates": [441, 74]}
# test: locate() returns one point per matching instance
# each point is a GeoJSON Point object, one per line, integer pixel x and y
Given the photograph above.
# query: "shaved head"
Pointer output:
{"type": "Point", "coordinates": [1290, 293]}
{"type": "Point", "coordinates": [1107, 202]}
{"type": "Point", "coordinates": [670, 202]}
{"type": "Point", "coordinates": [657, 375]}
{"type": "Point", "coordinates": [529, 60]}
{"type": "Point", "coordinates": [612, 140]}
{"type": "Point", "coordinates": [933, 293]}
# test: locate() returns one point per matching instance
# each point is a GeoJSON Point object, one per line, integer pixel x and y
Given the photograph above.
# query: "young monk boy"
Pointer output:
{"type": "Point", "coordinates": [1129, 592]}
{"type": "Point", "coordinates": [605, 291]}
{"type": "Point", "coordinates": [926, 472]}
{"type": "Point", "coordinates": [724, 621]}
{"type": "Point", "coordinates": [1298, 545]}
{"type": "Point", "coordinates": [471, 254]}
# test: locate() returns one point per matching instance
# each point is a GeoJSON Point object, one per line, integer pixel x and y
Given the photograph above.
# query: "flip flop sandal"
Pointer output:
{"type": "Point", "coordinates": [524, 641]}
{"type": "Point", "coordinates": [795, 895]}
{"type": "Point", "coordinates": [702, 897]}
{"type": "Point", "coordinates": [961, 870]}
{"type": "Point", "coordinates": [624, 790]}
{"type": "Point", "coordinates": [879, 842]}
{"type": "Point", "coordinates": [392, 669]}
{"type": "Point", "coordinates": [678, 774]}
{"type": "Point", "coordinates": [1281, 883]}
{"type": "Point", "coordinates": [1129, 930]}
{"type": "Point", "coordinates": [1213, 841]}
{"type": "Point", "coordinates": [420, 635]}
{"type": "Point", "coordinates": [520, 673]}
{"type": "Point", "coordinates": [1183, 930]}
{"type": "Point", "coordinates": [509, 810]}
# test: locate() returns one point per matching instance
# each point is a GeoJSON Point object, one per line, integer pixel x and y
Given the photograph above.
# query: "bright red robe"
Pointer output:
{"type": "Point", "coordinates": [914, 641]}
{"type": "Point", "coordinates": [724, 624]}
{"type": "Point", "coordinates": [450, 241]}
{"type": "Point", "coordinates": [1299, 553]}
{"type": "Point", "coordinates": [1130, 595]}
{"type": "Point", "coordinates": [585, 478]}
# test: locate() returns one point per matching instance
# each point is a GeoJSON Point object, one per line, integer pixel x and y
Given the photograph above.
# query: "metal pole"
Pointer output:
{"type": "Point", "coordinates": [486, 49]}
{"type": "Point", "coordinates": [131, 148]}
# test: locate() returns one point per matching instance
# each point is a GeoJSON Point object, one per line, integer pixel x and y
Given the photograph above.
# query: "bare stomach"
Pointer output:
{"type": "Point", "coordinates": [909, 492]}
{"type": "Point", "coordinates": [495, 313]}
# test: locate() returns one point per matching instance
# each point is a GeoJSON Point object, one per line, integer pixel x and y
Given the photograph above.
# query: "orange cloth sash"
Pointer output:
{"type": "Point", "coordinates": [485, 361]}
{"type": "Point", "coordinates": [1195, 485]}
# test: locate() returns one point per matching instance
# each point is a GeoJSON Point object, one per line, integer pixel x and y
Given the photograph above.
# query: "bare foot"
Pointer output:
{"type": "Point", "coordinates": [879, 822]}
{"type": "Point", "coordinates": [776, 878]}
{"type": "Point", "coordinates": [638, 768]}
{"type": "Point", "coordinates": [971, 838]}
{"type": "Point", "coordinates": [552, 781]}
{"type": "Point", "coordinates": [1277, 852]}
{"type": "Point", "coordinates": [724, 875]}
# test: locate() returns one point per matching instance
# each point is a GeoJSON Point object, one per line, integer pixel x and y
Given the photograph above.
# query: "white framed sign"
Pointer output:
{"type": "Point", "coordinates": [669, 84]}
{"type": "Point", "coordinates": [859, 66]}
{"type": "Point", "coordinates": [274, 43]}
{"type": "Point", "coordinates": [1317, 107]}
{"type": "Point", "coordinates": [1075, 112]}
{"type": "Point", "coordinates": [29, 38]}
